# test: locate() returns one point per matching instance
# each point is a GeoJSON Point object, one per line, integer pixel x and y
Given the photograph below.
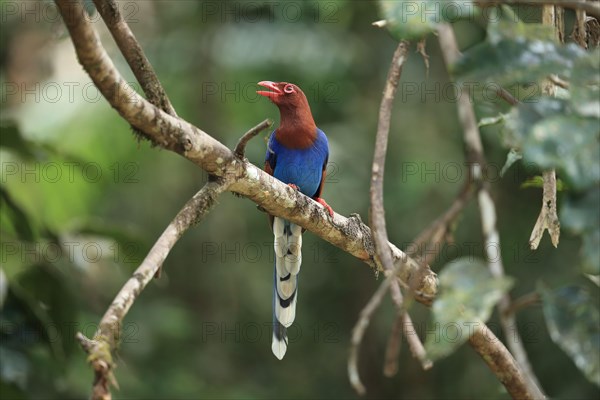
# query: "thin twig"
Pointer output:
{"type": "Point", "coordinates": [476, 159]}
{"type": "Point", "coordinates": [358, 332]}
{"type": "Point", "coordinates": [392, 350]}
{"type": "Point", "coordinates": [107, 336]}
{"type": "Point", "coordinates": [548, 218]}
{"type": "Point", "coordinates": [438, 228]}
{"type": "Point", "coordinates": [134, 55]}
{"type": "Point", "coordinates": [422, 50]}
{"type": "Point", "coordinates": [377, 214]}
{"type": "Point", "coordinates": [240, 147]}
{"type": "Point", "coordinates": [524, 301]}
{"type": "Point", "coordinates": [506, 96]}
{"type": "Point", "coordinates": [435, 233]}
{"type": "Point", "coordinates": [414, 342]}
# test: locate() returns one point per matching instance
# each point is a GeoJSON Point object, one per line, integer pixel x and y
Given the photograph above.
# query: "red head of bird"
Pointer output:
{"type": "Point", "coordinates": [297, 128]}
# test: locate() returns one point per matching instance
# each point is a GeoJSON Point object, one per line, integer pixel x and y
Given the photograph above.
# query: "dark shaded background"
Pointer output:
{"type": "Point", "coordinates": [203, 329]}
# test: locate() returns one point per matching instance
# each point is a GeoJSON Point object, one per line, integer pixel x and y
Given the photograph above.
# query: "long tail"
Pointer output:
{"type": "Point", "coordinates": [288, 258]}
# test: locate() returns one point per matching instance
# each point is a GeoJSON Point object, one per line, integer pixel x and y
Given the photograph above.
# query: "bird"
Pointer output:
{"type": "Point", "coordinates": [297, 154]}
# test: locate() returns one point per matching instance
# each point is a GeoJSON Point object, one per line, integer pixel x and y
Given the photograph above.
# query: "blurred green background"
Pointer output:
{"type": "Point", "coordinates": [83, 202]}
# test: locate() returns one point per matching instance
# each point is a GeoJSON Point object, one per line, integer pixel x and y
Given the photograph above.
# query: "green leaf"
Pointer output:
{"type": "Point", "coordinates": [415, 19]}
{"type": "Point", "coordinates": [538, 182]}
{"type": "Point", "coordinates": [551, 136]}
{"type": "Point", "coordinates": [14, 215]}
{"type": "Point", "coordinates": [582, 217]}
{"type": "Point", "coordinates": [517, 53]}
{"type": "Point", "coordinates": [512, 157]}
{"type": "Point", "coordinates": [468, 294]}
{"type": "Point", "coordinates": [535, 182]}
{"type": "Point", "coordinates": [573, 321]}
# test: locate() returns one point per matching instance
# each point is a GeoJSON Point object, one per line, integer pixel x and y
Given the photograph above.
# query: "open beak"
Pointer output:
{"type": "Point", "coordinates": [269, 85]}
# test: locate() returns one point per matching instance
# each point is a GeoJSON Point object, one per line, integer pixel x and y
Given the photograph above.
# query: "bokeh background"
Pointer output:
{"type": "Point", "coordinates": [93, 199]}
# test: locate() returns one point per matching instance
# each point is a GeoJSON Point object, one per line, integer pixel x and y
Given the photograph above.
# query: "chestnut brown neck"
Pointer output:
{"type": "Point", "coordinates": [297, 128]}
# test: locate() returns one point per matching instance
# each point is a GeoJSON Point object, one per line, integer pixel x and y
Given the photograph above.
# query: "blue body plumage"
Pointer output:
{"type": "Point", "coordinates": [301, 167]}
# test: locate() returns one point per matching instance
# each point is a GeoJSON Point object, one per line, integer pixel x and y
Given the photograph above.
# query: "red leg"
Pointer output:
{"type": "Point", "coordinates": [293, 186]}
{"type": "Point", "coordinates": [324, 204]}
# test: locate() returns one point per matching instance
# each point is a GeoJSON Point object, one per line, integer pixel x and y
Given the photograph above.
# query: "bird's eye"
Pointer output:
{"type": "Point", "coordinates": [288, 89]}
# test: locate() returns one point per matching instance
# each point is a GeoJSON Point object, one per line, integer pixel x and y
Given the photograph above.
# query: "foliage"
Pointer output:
{"type": "Point", "coordinates": [573, 320]}
{"type": "Point", "coordinates": [201, 327]}
{"type": "Point", "coordinates": [468, 294]}
{"type": "Point", "coordinates": [410, 20]}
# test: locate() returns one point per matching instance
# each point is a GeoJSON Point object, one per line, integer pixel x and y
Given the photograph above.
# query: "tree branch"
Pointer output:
{"type": "Point", "coordinates": [240, 147]}
{"type": "Point", "coordinates": [435, 233]}
{"type": "Point", "coordinates": [377, 172]}
{"type": "Point", "coordinates": [592, 8]}
{"type": "Point", "coordinates": [177, 135]}
{"type": "Point", "coordinates": [358, 332]}
{"type": "Point", "coordinates": [476, 160]}
{"type": "Point", "coordinates": [134, 55]}
{"type": "Point", "coordinates": [438, 229]}
{"type": "Point", "coordinates": [377, 212]}
{"type": "Point", "coordinates": [502, 363]}
{"type": "Point", "coordinates": [412, 338]}
{"type": "Point", "coordinates": [579, 33]}
{"type": "Point", "coordinates": [524, 301]}
{"type": "Point", "coordinates": [107, 336]}
{"type": "Point", "coordinates": [548, 218]}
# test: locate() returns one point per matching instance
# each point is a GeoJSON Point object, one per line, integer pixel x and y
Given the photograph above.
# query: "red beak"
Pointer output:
{"type": "Point", "coordinates": [269, 85]}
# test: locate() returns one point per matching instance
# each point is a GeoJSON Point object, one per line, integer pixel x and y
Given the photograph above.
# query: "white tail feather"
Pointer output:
{"type": "Point", "coordinates": [278, 347]}
{"type": "Point", "coordinates": [288, 259]}
{"type": "Point", "coordinates": [286, 315]}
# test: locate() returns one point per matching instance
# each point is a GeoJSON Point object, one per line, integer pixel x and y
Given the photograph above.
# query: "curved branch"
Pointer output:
{"type": "Point", "coordinates": [358, 332]}
{"type": "Point", "coordinates": [240, 147]}
{"type": "Point", "coordinates": [377, 172]}
{"type": "Point", "coordinates": [177, 135]}
{"type": "Point", "coordinates": [106, 338]}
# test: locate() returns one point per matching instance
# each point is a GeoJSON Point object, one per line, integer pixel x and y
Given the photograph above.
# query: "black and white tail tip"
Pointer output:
{"type": "Point", "coordinates": [288, 258]}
